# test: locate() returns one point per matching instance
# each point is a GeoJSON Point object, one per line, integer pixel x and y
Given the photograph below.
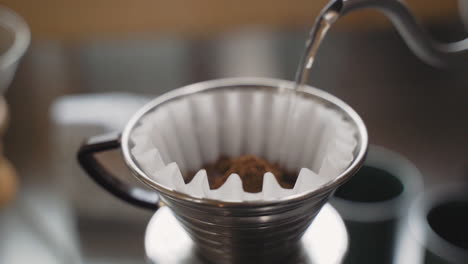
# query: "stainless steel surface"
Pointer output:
{"type": "Point", "coordinates": [432, 52]}
{"type": "Point", "coordinates": [324, 242]}
{"type": "Point", "coordinates": [262, 231]}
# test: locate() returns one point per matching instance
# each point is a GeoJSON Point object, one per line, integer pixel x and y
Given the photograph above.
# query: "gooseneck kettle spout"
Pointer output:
{"type": "Point", "coordinates": [432, 52]}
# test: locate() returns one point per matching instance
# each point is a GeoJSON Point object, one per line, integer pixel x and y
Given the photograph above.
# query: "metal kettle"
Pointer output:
{"type": "Point", "coordinates": [432, 52]}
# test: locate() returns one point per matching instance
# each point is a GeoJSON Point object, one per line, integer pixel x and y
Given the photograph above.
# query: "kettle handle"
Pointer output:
{"type": "Point", "coordinates": [87, 159]}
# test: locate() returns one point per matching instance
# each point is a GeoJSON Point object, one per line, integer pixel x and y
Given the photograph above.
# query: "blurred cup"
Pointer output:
{"type": "Point", "coordinates": [373, 202]}
{"type": "Point", "coordinates": [438, 223]}
{"type": "Point", "coordinates": [14, 41]}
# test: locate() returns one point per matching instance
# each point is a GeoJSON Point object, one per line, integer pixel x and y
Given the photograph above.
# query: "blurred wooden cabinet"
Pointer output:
{"type": "Point", "coordinates": [80, 19]}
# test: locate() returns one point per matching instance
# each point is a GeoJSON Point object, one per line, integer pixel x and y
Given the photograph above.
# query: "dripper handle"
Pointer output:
{"type": "Point", "coordinates": [87, 159]}
{"type": "Point", "coordinates": [419, 41]}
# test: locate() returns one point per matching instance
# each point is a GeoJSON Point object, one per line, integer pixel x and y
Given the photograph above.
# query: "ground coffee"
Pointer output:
{"type": "Point", "coordinates": [250, 168]}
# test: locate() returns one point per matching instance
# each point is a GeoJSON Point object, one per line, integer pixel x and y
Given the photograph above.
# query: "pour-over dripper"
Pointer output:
{"type": "Point", "coordinates": [229, 232]}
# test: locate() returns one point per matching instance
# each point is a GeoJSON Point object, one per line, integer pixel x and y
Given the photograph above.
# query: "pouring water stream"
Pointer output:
{"type": "Point", "coordinates": [318, 32]}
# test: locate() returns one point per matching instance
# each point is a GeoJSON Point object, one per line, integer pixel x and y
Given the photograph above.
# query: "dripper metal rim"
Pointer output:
{"type": "Point", "coordinates": [236, 83]}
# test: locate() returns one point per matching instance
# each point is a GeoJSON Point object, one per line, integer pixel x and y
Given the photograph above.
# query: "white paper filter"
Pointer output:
{"type": "Point", "coordinates": [183, 135]}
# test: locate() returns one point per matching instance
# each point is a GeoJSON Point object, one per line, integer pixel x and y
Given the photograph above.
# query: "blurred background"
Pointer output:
{"type": "Point", "coordinates": [91, 64]}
